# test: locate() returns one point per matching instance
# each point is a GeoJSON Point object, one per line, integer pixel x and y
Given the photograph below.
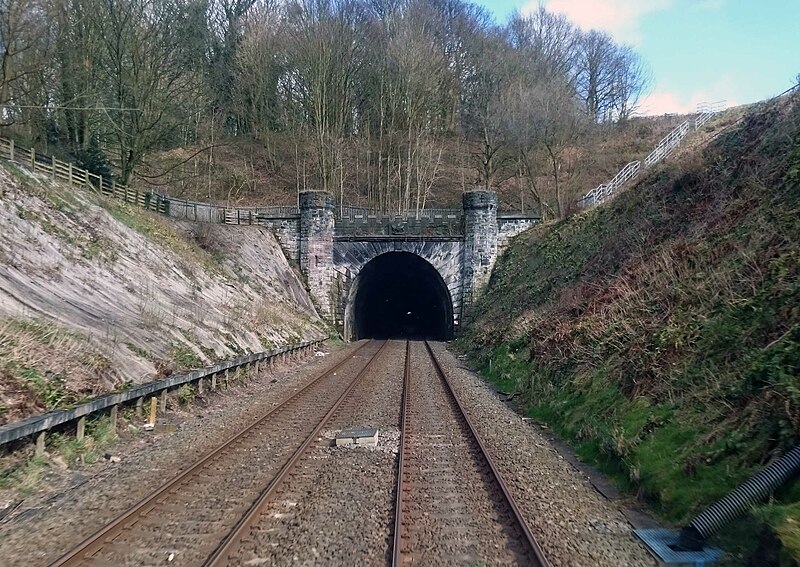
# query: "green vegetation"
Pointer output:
{"type": "Point", "coordinates": [99, 434]}
{"type": "Point", "coordinates": [661, 332]}
{"type": "Point", "coordinates": [785, 522]}
{"type": "Point", "coordinates": [186, 394]}
{"type": "Point", "coordinates": [25, 475]}
{"type": "Point", "coordinates": [185, 357]}
{"type": "Point", "coordinates": [45, 366]}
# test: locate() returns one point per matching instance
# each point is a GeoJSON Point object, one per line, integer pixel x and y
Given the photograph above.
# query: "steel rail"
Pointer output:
{"type": "Point", "coordinates": [398, 509]}
{"type": "Point", "coordinates": [130, 517]}
{"type": "Point", "coordinates": [235, 536]}
{"type": "Point", "coordinates": [535, 550]}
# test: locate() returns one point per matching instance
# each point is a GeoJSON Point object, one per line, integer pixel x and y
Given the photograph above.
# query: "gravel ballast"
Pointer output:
{"type": "Point", "coordinates": [338, 507]}
{"type": "Point", "coordinates": [49, 524]}
{"type": "Point", "coordinates": [573, 523]}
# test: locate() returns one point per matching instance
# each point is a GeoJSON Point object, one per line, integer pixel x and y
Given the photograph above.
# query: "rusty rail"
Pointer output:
{"type": "Point", "coordinates": [535, 552]}
{"type": "Point", "coordinates": [398, 509]}
{"type": "Point", "coordinates": [94, 543]}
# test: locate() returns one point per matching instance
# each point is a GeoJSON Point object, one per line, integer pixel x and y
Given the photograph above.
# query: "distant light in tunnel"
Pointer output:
{"type": "Point", "coordinates": [399, 295]}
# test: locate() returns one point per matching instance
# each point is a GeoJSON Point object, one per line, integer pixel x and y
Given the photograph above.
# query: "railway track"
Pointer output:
{"type": "Point", "coordinates": [451, 509]}
{"type": "Point", "coordinates": [200, 514]}
{"type": "Point", "coordinates": [451, 504]}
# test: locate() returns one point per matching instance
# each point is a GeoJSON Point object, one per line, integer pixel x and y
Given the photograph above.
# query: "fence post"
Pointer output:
{"type": "Point", "coordinates": [33, 159]}
{"type": "Point", "coordinates": [114, 414]}
{"type": "Point", "coordinates": [39, 444]}
{"type": "Point", "coordinates": [70, 174]}
{"type": "Point", "coordinates": [101, 184]}
{"type": "Point", "coordinates": [81, 430]}
{"type": "Point", "coordinates": [163, 401]}
{"type": "Point", "coordinates": [53, 165]}
{"type": "Point", "coordinates": [153, 406]}
{"type": "Point", "coordinates": [139, 404]}
{"type": "Point", "coordinates": [11, 150]}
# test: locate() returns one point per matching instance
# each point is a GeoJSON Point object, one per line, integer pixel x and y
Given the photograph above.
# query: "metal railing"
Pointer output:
{"type": "Point", "coordinates": [605, 190]}
{"type": "Point", "coordinates": [705, 110]}
{"type": "Point", "coordinates": [38, 425]}
{"type": "Point", "coordinates": [347, 212]}
{"type": "Point", "coordinates": [662, 150]}
{"type": "Point", "coordinates": [667, 144]}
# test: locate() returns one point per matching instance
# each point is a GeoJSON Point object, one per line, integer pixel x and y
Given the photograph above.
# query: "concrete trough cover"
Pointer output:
{"type": "Point", "coordinates": [357, 436]}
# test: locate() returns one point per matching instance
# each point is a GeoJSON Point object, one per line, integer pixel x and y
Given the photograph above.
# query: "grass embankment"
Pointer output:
{"type": "Point", "coordinates": [661, 332]}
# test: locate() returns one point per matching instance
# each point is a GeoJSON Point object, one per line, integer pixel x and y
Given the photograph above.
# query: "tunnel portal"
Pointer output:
{"type": "Point", "coordinates": [399, 295]}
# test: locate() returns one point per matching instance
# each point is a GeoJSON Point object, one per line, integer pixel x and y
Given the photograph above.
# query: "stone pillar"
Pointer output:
{"type": "Point", "coordinates": [480, 243]}
{"type": "Point", "coordinates": [316, 247]}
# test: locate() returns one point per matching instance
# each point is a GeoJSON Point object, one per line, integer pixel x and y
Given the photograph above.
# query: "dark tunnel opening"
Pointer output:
{"type": "Point", "coordinates": [399, 295]}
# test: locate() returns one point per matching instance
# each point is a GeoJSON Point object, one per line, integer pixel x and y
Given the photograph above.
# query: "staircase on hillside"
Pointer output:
{"type": "Point", "coordinates": [663, 149]}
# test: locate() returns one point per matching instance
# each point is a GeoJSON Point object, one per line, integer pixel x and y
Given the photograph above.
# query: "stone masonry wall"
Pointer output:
{"type": "Point", "coordinates": [316, 247]}
{"type": "Point", "coordinates": [287, 231]}
{"type": "Point", "coordinates": [509, 227]}
{"type": "Point", "coordinates": [349, 257]}
{"type": "Point", "coordinates": [480, 242]}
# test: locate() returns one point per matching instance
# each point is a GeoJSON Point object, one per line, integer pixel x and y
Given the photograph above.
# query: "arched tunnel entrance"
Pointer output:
{"type": "Point", "coordinates": [399, 295]}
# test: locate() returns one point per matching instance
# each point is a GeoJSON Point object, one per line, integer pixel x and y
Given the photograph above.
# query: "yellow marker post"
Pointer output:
{"type": "Point", "coordinates": [153, 406]}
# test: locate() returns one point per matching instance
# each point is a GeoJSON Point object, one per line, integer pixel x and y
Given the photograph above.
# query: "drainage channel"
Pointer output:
{"type": "Point", "coordinates": [451, 501]}
{"type": "Point", "coordinates": [197, 508]}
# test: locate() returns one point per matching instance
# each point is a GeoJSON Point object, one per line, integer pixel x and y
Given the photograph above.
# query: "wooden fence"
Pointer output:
{"type": "Point", "coordinates": [78, 177]}
{"type": "Point", "coordinates": [157, 391]}
{"type": "Point", "coordinates": [181, 209]}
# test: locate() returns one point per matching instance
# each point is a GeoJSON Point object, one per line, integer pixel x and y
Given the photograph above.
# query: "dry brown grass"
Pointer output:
{"type": "Point", "coordinates": [248, 173]}
{"type": "Point", "coordinates": [44, 366]}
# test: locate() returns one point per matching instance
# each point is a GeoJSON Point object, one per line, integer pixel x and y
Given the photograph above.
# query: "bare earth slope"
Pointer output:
{"type": "Point", "coordinates": [93, 294]}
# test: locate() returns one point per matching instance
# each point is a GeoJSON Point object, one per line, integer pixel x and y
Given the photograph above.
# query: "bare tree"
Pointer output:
{"type": "Point", "coordinates": [327, 48]}
{"type": "Point", "coordinates": [486, 116]}
{"type": "Point", "coordinates": [26, 39]}
{"type": "Point", "coordinates": [610, 79]}
{"type": "Point", "coordinates": [632, 79]}
{"type": "Point", "coordinates": [548, 41]}
{"type": "Point", "coordinates": [149, 84]}
{"type": "Point", "coordinates": [259, 65]}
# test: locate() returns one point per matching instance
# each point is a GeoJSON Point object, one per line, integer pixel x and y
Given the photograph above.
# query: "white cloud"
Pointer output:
{"type": "Point", "coordinates": [667, 102]}
{"type": "Point", "coordinates": [620, 18]}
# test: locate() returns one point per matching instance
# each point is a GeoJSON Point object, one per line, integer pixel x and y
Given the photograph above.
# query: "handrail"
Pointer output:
{"type": "Point", "coordinates": [705, 110]}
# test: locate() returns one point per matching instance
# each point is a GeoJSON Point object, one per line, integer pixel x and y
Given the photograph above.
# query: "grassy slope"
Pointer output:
{"type": "Point", "coordinates": [661, 333]}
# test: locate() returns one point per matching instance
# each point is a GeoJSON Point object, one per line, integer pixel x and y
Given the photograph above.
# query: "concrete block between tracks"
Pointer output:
{"type": "Point", "coordinates": [357, 436]}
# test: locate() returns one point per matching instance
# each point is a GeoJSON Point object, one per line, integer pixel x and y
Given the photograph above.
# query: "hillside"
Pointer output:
{"type": "Point", "coordinates": [251, 173]}
{"type": "Point", "coordinates": [95, 294]}
{"type": "Point", "coordinates": [660, 333]}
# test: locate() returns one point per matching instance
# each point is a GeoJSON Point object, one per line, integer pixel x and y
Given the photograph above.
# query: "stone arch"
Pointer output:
{"type": "Point", "coordinates": [443, 259]}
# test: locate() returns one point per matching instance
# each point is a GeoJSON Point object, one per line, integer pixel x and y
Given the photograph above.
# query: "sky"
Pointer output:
{"type": "Point", "coordinates": [739, 51]}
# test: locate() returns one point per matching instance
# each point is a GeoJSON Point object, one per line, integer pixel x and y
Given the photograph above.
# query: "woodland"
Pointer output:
{"type": "Point", "coordinates": [373, 95]}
